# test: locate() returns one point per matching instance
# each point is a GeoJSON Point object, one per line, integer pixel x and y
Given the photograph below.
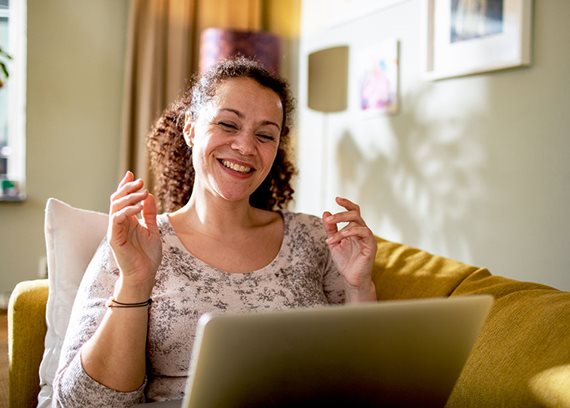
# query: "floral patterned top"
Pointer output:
{"type": "Point", "coordinates": [301, 275]}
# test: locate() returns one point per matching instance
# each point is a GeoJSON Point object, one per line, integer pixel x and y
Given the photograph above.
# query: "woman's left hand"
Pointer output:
{"type": "Point", "coordinates": [353, 250]}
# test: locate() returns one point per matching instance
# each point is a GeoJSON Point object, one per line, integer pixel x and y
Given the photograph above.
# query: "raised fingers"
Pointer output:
{"type": "Point", "coordinates": [127, 185]}
{"type": "Point", "coordinates": [330, 226]}
{"type": "Point", "coordinates": [354, 225]}
{"type": "Point", "coordinates": [129, 193]}
{"type": "Point", "coordinates": [346, 203]}
{"type": "Point", "coordinates": [149, 212]}
{"type": "Point", "coordinates": [352, 213]}
{"type": "Point", "coordinates": [134, 199]}
{"type": "Point", "coordinates": [129, 176]}
{"type": "Point", "coordinates": [350, 231]}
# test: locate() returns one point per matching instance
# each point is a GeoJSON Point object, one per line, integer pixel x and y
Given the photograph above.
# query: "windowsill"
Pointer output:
{"type": "Point", "coordinates": [12, 199]}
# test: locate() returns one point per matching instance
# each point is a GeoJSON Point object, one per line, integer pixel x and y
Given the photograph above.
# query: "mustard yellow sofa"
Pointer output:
{"type": "Point", "coordinates": [26, 332]}
{"type": "Point", "coordinates": [521, 358]}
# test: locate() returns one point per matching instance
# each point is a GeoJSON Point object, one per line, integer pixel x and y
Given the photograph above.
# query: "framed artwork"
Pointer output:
{"type": "Point", "coordinates": [464, 37]}
{"type": "Point", "coordinates": [377, 75]}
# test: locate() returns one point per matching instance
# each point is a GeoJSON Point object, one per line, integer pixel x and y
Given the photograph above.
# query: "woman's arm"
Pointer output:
{"type": "Point", "coordinates": [103, 357]}
{"type": "Point", "coordinates": [73, 387]}
{"type": "Point", "coordinates": [116, 354]}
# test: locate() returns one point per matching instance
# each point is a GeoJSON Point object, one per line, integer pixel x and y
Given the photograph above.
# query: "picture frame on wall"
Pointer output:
{"type": "Point", "coordinates": [376, 70]}
{"type": "Point", "coordinates": [465, 37]}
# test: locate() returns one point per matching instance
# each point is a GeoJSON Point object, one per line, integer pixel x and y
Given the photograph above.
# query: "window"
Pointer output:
{"type": "Point", "coordinates": [12, 100]}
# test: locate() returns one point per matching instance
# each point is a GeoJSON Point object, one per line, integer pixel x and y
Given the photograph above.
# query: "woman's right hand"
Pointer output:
{"type": "Point", "coordinates": [135, 241]}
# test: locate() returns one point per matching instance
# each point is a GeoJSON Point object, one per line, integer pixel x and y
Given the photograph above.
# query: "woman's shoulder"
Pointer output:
{"type": "Point", "coordinates": [303, 218]}
{"type": "Point", "coordinates": [297, 222]}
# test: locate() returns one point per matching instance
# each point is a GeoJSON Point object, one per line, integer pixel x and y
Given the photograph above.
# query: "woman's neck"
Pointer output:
{"type": "Point", "coordinates": [216, 216]}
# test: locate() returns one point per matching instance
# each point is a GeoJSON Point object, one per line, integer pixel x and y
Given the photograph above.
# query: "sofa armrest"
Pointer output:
{"type": "Point", "coordinates": [26, 333]}
{"type": "Point", "coordinates": [522, 356]}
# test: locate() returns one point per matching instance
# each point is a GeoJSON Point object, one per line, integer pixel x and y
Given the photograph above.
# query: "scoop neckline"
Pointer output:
{"type": "Point", "coordinates": [173, 236]}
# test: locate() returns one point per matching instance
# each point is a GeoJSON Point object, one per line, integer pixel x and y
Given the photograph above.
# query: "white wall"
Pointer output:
{"type": "Point", "coordinates": [74, 93]}
{"type": "Point", "coordinates": [473, 168]}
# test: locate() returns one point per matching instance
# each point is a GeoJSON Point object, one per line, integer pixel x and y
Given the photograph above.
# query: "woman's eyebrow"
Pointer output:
{"type": "Point", "coordinates": [238, 113]}
{"type": "Point", "coordinates": [241, 116]}
{"type": "Point", "coordinates": [268, 122]}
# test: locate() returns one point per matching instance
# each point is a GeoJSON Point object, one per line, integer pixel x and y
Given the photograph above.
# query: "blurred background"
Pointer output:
{"type": "Point", "coordinates": [474, 167]}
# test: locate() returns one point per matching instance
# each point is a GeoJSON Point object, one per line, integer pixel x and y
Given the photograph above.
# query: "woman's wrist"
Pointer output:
{"type": "Point", "coordinates": [365, 292]}
{"type": "Point", "coordinates": [132, 292]}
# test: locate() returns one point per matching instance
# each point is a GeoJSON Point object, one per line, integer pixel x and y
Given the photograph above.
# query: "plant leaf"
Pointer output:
{"type": "Point", "coordinates": [5, 54]}
{"type": "Point", "coordinates": [4, 70]}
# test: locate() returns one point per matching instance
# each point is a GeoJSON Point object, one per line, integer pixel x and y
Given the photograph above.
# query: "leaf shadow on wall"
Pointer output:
{"type": "Point", "coordinates": [419, 180]}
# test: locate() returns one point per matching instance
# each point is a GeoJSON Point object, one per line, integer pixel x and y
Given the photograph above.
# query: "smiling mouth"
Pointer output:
{"type": "Point", "coordinates": [236, 167]}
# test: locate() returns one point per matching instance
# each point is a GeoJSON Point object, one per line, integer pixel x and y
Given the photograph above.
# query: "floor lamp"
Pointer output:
{"type": "Point", "coordinates": [327, 84]}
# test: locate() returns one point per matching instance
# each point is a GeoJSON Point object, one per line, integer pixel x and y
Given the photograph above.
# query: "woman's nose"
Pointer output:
{"type": "Point", "coordinates": [244, 143]}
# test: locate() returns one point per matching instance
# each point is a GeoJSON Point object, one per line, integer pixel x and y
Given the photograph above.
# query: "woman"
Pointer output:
{"type": "Point", "coordinates": [224, 244]}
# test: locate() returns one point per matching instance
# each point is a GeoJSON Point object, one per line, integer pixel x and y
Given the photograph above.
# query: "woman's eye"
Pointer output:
{"type": "Point", "coordinates": [227, 125]}
{"type": "Point", "coordinates": [265, 137]}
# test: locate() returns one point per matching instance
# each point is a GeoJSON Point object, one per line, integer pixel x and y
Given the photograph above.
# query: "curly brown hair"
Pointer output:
{"type": "Point", "coordinates": [171, 158]}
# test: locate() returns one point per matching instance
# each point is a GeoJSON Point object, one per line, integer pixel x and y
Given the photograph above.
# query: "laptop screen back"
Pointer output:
{"type": "Point", "coordinates": [396, 353]}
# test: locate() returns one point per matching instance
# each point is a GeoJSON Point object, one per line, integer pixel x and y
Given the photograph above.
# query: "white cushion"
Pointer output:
{"type": "Point", "coordinates": [72, 236]}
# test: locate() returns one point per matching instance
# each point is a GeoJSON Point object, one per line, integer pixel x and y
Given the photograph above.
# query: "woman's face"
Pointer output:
{"type": "Point", "coordinates": [234, 139]}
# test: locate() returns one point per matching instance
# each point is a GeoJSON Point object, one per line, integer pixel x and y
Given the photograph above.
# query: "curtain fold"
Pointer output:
{"type": "Point", "coordinates": [162, 55]}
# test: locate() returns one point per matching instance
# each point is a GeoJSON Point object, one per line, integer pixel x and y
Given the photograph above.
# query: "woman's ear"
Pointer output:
{"type": "Point", "coordinates": [188, 130]}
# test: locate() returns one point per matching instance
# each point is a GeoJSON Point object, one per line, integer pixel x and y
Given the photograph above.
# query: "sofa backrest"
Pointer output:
{"type": "Point", "coordinates": [405, 272]}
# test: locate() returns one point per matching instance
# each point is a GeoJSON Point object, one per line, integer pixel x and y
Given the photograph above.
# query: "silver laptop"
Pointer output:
{"type": "Point", "coordinates": [389, 354]}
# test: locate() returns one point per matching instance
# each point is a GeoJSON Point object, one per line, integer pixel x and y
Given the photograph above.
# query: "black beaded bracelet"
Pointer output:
{"type": "Point", "coordinates": [112, 302]}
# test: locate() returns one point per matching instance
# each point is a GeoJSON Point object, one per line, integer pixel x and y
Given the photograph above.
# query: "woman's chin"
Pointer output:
{"type": "Point", "coordinates": [235, 195]}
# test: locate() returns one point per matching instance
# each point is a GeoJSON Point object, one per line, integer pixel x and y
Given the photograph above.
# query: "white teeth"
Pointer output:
{"type": "Point", "coordinates": [236, 167]}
